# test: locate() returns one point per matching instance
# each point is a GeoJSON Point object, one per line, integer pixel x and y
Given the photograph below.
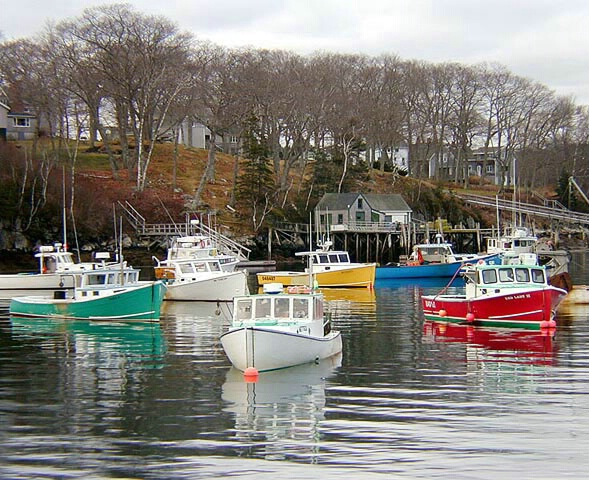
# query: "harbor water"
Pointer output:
{"type": "Point", "coordinates": [406, 399]}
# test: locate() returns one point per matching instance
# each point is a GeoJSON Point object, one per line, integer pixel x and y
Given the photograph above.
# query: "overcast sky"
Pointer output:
{"type": "Point", "coordinates": [544, 40]}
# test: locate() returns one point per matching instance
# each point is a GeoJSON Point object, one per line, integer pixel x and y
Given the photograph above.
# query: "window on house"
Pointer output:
{"type": "Point", "coordinates": [340, 218]}
{"type": "Point", "coordinates": [22, 122]}
{"type": "Point", "coordinates": [490, 169]}
{"type": "Point", "coordinates": [360, 203]}
{"type": "Point", "coordinates": [233, 139]}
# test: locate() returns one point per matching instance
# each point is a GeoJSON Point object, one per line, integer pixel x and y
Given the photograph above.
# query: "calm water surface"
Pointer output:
{"type": "Point", "coordinates": [407, 399]}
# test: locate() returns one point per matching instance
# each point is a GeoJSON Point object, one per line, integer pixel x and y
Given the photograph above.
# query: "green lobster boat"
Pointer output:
{"type": "Point", "coordinates": [113, 294]}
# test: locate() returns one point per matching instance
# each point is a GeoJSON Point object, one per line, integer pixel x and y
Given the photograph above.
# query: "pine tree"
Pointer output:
{"type": "Point", "coordinates": [256, 191]}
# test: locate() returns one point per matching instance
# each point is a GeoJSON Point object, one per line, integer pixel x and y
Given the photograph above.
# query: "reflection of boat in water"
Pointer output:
{"type": "Point", "coordinates": [194, 309]}
{"type": "Point", "coordinates": [576, 302]}
{"type": "Point", "coordinates": [140, 341]}
{"type": "Point", "coordinates": [357, 295]}
{"type": "Point", "coordinates": [285, 404]}
{"type": "Point", "coordinates": [507, 345]}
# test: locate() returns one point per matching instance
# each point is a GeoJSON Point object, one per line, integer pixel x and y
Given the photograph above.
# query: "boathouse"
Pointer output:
{"type": "Point", "coordinates": [345, 211]}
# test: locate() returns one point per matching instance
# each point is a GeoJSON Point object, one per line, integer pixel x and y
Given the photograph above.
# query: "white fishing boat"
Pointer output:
{"type": "Point", "coordinates": [200, 279]}
{"type": "Point", "coordinates": [56, 267]}
{"type": "Point", "coordinates": [270, 331]}
{"type": "Point", "coordinates": [519, 241]}
{"type": "Point", "coordinates": [280, 328]}
{"type": "Point", "coordinates": [199, 246]}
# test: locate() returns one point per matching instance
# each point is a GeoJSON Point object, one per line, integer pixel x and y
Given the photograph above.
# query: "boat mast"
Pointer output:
{"type": "Point", "coordinates": [121, 250]}
{"type": "Point", "coordinates": [310, 259]}
{"type": "Point", "coordinates": [64, 213]}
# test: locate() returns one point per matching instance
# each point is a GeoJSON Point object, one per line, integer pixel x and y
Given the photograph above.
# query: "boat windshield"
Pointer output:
{"type": "Point", "coordinates": [489, 276]}
{"type": "Point", "coordinates": [522, 275]}
{"type": "Point", "coordinates": [339, 257]}
{"type": "Point", "coordinates": [243, 309]}
{"type": "Point", "coordinates": [262, 308]}
{"type": "Point", "coordinates": [506, 274]}
{"type": "Point", "coordinates": [511, 274]}
{"type": "Point", "coordinates": [538, 275]}
{"type": "Point", "coordinates": [282, 307]}
{"type": "Point", "coordinates": [300, 308]}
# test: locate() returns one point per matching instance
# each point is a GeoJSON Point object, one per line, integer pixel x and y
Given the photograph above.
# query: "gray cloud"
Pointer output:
{"type": "Point", "coordinates": [544, 40]}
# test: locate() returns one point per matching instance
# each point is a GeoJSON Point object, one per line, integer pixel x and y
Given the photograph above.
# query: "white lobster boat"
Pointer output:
{"type": "Point", "coordinates": [270, 331]}
{"type": "Point", "coordinates": [201, 279]}
{"type": "Point", "coordinates": [57, 270]}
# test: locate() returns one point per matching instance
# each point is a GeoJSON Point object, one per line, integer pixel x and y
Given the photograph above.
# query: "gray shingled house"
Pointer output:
{"type": "Point", "coordinates": [343, 211]}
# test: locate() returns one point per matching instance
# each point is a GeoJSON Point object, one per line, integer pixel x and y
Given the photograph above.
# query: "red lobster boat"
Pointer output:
{"type": "Point", "coordinates": [499, 296]}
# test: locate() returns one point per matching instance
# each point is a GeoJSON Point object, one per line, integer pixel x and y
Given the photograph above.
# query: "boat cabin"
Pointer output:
{"type": "Point", "coordinates": [198, 246]}
{"type": "Point", "coordinates": [330, 258]}
{"type": "Point", "coordinates": [518, 241]}
{"type": "Point", "coordinates": [436, 252]}
{"type": "Point", "coordinates": [192, 246]}
{"type": "Point", "coordinates": [489, 279]}
{"type": "Point", "coordinates": [55, 259]}
{"type": "Point", "coordinates": [188, 270]}
{"type": "Point", "coordinates": [298, 313]}
{"type": "Point", "coordinates": [108, 278]}
{"type": "Point", "coordinates": [102, 282]}
{"type": "Point", "coordinates": [277, 307]}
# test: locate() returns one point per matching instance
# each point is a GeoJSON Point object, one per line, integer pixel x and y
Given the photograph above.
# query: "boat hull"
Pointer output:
{"type": "Point", "coordinates": [218, 288]}
{"type": "Point", "coordinates": [429, 270]}
{"type": "Point", "coordinates": [266, 349]}
{"type": "Point", "coordinates": [522, 309]}
{"type": "Point", "coordinates": [137, 303]}
{"type": "Point", "coordinates": [362, 276]}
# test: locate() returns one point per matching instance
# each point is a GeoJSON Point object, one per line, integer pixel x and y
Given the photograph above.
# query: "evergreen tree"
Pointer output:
{"type": "Point", "coordinates": [256, 192]}
{"type": "Point", "coordinates": [566, 195]}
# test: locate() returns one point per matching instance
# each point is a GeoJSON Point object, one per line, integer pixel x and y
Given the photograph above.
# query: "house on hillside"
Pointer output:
{"type": "Point", "coordinates": [443, 166]}
{"type": "Point", "coordinates": [17, 120]}
{"type": "Point", "coordinates": [397, 157]}
{"type": "Point", "coordinates": [196, 135]}
{"type": "Point", "coordinates": [4, 109]}
{"type": "Point", "coordinates": [341, 211]}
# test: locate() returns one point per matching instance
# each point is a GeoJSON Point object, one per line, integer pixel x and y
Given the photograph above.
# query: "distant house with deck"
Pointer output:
{"type": "Point", "coordinates": [485, 165]}
{"type": "Point", "coordinates": [342, 211]}
{"type": "Point", "coordinates": [4, 109]}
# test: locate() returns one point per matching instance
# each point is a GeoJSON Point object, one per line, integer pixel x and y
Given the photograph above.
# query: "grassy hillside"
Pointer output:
{"type": "Point", "coordinates": [97, 190]}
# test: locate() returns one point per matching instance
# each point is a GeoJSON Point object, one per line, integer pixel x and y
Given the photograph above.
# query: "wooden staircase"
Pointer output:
{"type": "Point", "coordinates": [165, 231]}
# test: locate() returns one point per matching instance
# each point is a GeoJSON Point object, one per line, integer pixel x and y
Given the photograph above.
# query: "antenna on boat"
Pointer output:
{"type": "Point", "coordinates": [64, 208]}
{"type": "Point", "coordinates": [309, 257]}
{"type": "Point", "coordinates": [121, 250]}
{"type": "Point", "coordinates": [498, 216]}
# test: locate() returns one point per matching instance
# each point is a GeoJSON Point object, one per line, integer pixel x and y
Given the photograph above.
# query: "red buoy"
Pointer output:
{"type": "Point", "coordinates": [442, 313]}
{"type": "Point", "coordinates": [251, 374]}
{"type": "Point", "coordinates": [470, 317]}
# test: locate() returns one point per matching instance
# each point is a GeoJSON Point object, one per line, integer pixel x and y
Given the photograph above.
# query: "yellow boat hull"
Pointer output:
{"type": "Point", "coordinates": [355, 276]}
